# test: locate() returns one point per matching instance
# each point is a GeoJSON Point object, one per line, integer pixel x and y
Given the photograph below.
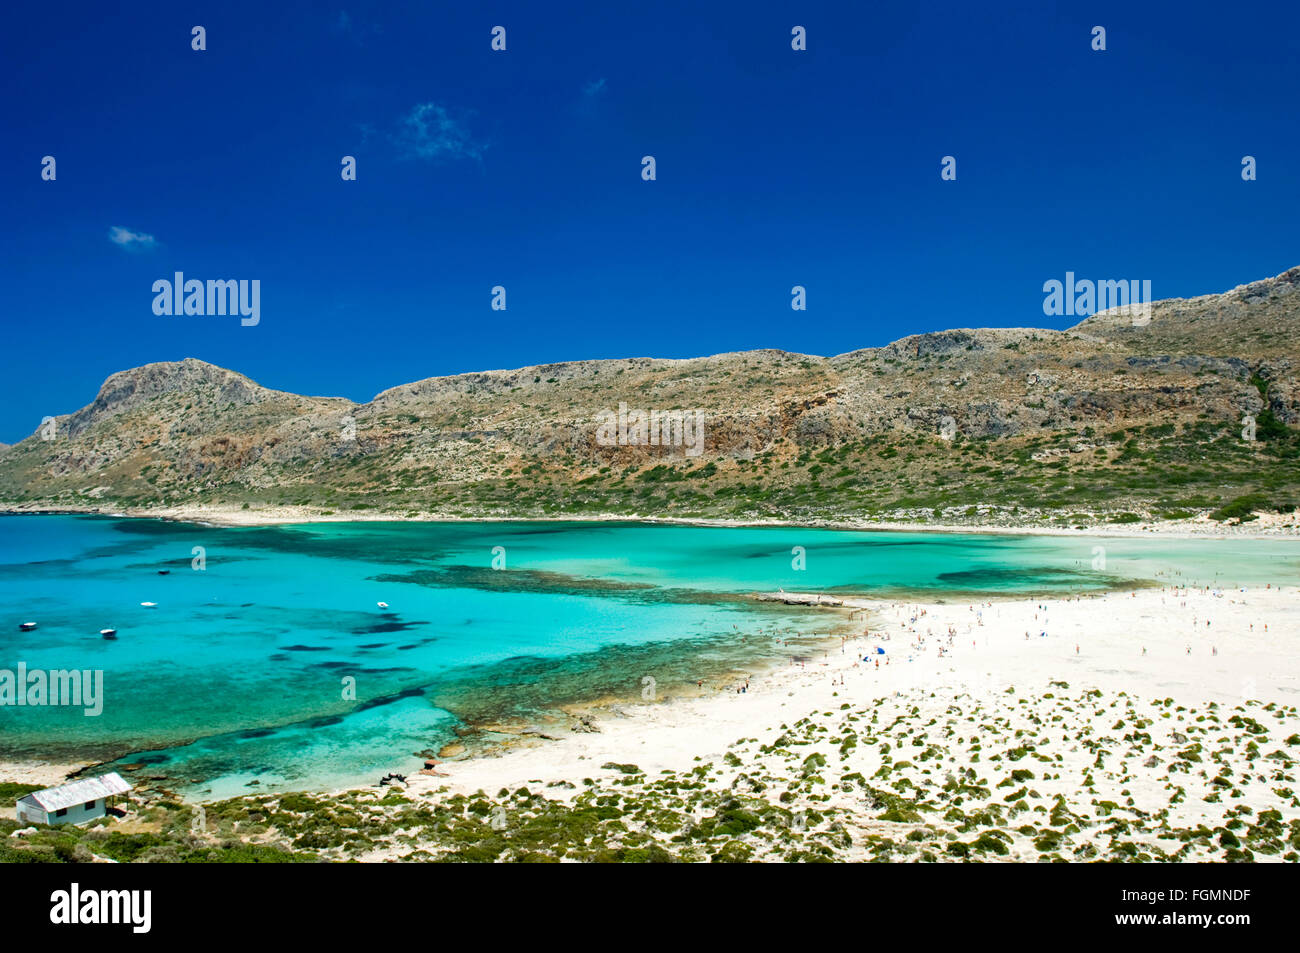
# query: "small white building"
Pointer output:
{"type": "Point", "coordinates": [73, 803]}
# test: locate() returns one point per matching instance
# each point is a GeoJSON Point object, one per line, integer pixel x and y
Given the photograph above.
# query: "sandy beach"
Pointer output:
{"type": "Point", "coordinates": [1141, 725]}
{"type": "Point", "coordinates": [1263, 526]}
{"type": "Point", "coordinates": [1149, 643]}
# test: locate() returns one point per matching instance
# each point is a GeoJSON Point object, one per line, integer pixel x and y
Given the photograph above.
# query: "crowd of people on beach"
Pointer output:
{"type": "Point", "coordinates": [911, 621]}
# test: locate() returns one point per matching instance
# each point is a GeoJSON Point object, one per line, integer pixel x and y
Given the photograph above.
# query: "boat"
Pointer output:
{"type": "Point", "coordinates": [27, 626]}
{"type": "Point", "coordinates": [108, 633]}
{"type": "Point", "coordinates": [149, 605]}
{"type": "Point", "coordinates": [164, 572]}
{"type": "Point", "coordinates": [382, 605]}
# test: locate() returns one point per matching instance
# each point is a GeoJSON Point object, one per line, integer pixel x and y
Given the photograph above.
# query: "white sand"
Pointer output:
{"type": "Point", "coordinates": [922, 688]}
{"type": "Point", "coordinates": [988, 654]}
{"type": "Point", "coordinates": [1264, 526]}
{"type": "Point", "coordinates": [980, 770]}
{"type": "Point", "coordinates": [44, 773]}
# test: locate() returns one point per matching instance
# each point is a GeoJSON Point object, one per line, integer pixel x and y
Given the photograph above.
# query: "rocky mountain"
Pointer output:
{"type": "Point", "coordinates": [1112, 419]}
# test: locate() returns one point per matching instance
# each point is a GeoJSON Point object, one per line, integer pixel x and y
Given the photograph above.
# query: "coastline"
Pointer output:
{"type": "Point", "coordinates": [1264, 526]}
{"type": "Point", "coordinates": [1104, 715]}
{"type": "Point", "coordinates": [762, 667]}
{"type": "Point", "coordinates": [1171, 657]}
{"type": "Point", "coordinates": [475, 738]}
{"type": "Point", "coordinates": [624, 722]}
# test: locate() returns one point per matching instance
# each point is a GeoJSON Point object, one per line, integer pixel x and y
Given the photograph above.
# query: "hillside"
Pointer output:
{"type": "Point", "coordinates": [1106, 421]}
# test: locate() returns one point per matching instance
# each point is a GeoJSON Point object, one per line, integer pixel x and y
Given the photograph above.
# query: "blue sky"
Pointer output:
{"type": "Point", "coordinates": [522, 169]}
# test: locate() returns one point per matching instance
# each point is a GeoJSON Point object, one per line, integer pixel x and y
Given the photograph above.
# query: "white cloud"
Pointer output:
{"type": "Point", "coordinates": [344, 24]}
{"type": "Point", "coordinates": [429, 131]}
{"type": "Point", "coordinates": [589, 102]}
{"type": "Point", "coordinates": [129, 239]}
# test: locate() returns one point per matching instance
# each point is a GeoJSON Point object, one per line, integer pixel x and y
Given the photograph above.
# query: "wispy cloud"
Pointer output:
{"type": "Point", "coordinates": [593, 93]}
{"type": "Point", "coordinates": [345, 24]}
{"type": "Point", "coordinates": [128, 239]}
{"type": "Point", "coordinates": [430, 131]}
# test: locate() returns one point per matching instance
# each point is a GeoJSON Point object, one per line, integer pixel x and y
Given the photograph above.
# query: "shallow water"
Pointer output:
{"type": "Point", "coordinates": [239, 673]}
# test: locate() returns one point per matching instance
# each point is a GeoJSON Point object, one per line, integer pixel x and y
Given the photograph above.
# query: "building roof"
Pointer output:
{"type": "Point", "coordinates": [79, 792]}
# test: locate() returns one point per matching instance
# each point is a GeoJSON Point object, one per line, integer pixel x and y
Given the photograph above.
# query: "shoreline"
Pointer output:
{"type": "Point", "coordinates": [469, 744]}
{"type": "Point", "coordinates": [1181, 662]}
{"type": "Point", "coordinates": [1124, 724]}
{"type": "Point", "coordinates": [623, 722]}
{"type": "Point", "coordinates": [1265, 526]}
{"type": "Point", "coordinates": [854, 611]}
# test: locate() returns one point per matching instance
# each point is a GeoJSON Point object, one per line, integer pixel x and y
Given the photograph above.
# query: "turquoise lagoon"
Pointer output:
{"type": "Point", "coordinates": [238, 674]}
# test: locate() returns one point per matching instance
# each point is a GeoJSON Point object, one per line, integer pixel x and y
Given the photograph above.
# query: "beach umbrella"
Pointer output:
{"type": "Point", "coordinates": [879, 650]}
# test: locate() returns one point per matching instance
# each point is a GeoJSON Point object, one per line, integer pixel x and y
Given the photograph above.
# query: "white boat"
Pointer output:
{"type": "Point", "coordinates": [108, 633]}
{"type": "Point", "coordinates": [27, 626]}
{"type": "Point", "coordinates": [149, 605]}
{"type": "Point", "coordinates": [382, 605]}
